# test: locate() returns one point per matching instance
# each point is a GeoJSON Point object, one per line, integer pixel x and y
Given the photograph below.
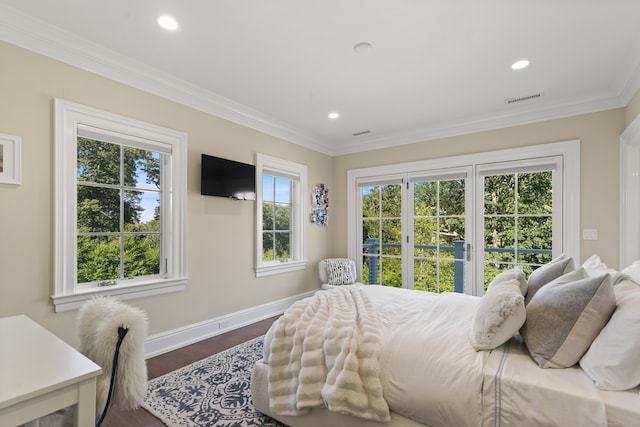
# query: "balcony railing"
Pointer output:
{"type": "Point", "coordinates": [373, 245]}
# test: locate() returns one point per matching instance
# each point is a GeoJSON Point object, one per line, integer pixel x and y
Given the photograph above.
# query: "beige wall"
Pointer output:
{"type": "Point", "coordinates": [632, 111]}
{"type": "Point", "coordinates": [221, 231]}
{"type": "Point", "coordinates": [599, 134]}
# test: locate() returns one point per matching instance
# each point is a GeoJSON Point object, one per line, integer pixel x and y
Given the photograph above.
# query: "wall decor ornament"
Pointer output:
{"type": "Point", "coordinates": [320, 202]}
{"type": "Point", "coordinates": [10, 159]}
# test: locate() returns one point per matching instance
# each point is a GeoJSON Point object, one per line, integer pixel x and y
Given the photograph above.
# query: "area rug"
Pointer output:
{"type": "Point", "coordinates": [215, 391]}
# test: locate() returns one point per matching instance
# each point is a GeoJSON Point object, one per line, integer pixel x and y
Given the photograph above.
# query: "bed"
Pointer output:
{"type": "Point", "coordinates": [414, 358]}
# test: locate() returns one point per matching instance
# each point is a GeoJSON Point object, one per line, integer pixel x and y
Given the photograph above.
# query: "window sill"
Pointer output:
{"type": "Point", "coordinates": [280, 267]}
{"type": "Point", "coordinates": [121, 292]}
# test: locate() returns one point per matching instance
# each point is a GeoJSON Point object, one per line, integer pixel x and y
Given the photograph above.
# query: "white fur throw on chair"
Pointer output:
{"type": "Point", "coordinates": [98, 323]}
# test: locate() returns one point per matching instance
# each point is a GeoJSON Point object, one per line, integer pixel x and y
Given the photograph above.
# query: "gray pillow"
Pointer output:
{"type": "Point", "coordinates": [512, 274]}
{"type": "Point", "coordinates": [565, 316]}
{"type": "Point", "coordinates": [546, 273]}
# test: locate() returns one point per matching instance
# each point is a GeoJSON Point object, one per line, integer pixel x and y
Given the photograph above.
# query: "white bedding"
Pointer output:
{"type": "Point", "coordinates": [623, 407]}
{"type": "Point", "coordinates": [444, 356]}
{"type": "Point", "coordinates": [518, 392]}
{"type": "Point", "coordinates": [431, 374]}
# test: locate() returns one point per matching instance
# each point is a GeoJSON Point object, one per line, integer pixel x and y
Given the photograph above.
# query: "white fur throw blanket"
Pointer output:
{"type": "Point", "coordinates": [324, 352]}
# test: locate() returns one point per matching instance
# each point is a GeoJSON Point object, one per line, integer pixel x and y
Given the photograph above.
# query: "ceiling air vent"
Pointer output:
{"type": "Point", "coordinates": [523, 98]}
{"type": "Point", "coordinates": [364, 132]}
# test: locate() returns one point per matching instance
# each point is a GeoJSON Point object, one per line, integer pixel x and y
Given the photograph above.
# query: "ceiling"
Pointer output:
{"type": "Point", "coordinates": [434, 68]}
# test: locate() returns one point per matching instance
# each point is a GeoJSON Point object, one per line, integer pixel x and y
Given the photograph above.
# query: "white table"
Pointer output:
{"type": "Point", "coordinates": [40, 374]}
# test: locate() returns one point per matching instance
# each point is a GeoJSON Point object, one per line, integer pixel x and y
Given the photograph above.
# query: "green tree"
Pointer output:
{"type": "Point", "coordinates": [103, 169]}
{"type": "Point", "coordinates": [517, 216]}
{"type": "Point", "coordinates": [276, 231]}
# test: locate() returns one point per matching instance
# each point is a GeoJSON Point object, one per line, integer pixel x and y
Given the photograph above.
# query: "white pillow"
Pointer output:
{"type": "Point", "coordinates": [507, 275]}
{"type": "Point", "coordinates": [613, 360]}
{"type": "Point", "coordinates": [498, 317]}
{"type": "Point", "coordinates": [633, 272]}
{"type": "Point", "coordinates": [594, 267]}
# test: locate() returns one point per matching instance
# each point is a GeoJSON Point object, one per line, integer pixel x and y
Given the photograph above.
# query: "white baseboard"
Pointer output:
{"type": "Point", "coordinates": [173, 339]}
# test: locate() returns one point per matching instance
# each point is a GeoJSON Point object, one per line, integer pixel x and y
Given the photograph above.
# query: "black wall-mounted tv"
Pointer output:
{"type": "Point", "coordinates": [227, 178]}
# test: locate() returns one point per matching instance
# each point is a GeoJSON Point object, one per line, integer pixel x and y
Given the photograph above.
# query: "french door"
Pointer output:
{"type": "Point", "coordinates": [414, 230]}
{"type": "Point", "coordinates": [454, 229]}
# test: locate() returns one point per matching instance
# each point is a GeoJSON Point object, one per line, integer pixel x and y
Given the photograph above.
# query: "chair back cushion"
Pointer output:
{"type": "Point", "coordinates": [98, 323]}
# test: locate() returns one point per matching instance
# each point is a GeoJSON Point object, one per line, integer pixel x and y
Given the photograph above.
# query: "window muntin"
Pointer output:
{"type": "Point", "coordinates": [280, 215]}
{"type": "Point", "coordinates": [144, 248]}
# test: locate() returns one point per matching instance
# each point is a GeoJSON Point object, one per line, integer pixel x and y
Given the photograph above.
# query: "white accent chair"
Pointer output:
{"type": "Point", "coordinates": [112, 334]}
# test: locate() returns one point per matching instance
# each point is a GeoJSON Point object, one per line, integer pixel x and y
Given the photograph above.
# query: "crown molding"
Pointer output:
{"type": "Point", "coordinates": [487, 123]}
{"type": "Point", "coordinates": [29, 33]}
{"type": "Point", "coordinates": [32, 34]}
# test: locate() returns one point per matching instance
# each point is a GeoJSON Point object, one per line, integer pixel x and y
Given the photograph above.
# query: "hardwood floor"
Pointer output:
{"type": "Point", "coordinates": [165, 363]}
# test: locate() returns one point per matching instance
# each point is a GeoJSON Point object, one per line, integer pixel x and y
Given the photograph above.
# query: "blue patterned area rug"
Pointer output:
{"type": "Point", "coordinates": [215, 391]}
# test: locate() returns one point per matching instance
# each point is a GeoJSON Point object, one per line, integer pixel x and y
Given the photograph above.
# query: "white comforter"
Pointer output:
{"type": "Point", "coordinates": [430, 373]}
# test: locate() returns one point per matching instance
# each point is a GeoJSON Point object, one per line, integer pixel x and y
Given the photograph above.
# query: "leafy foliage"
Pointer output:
{"type": "Point", "coordinates": [276, 232]}
{"type": "Point", "coordinates": [517, 218]}
{"type": "Point", "coordinates": [113, 242]}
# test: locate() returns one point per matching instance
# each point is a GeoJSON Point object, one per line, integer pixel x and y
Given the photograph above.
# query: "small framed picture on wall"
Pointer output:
{"type": "Point", "coordinates": [10, 159]}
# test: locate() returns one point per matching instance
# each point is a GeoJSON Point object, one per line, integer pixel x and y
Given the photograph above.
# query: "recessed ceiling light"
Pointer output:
{"type": "Point", "coordinates": [333, 115]}
{"type": "Point", "coordinates": [167, 22]}
{"type": "Point", "coordinates": [519, 65]}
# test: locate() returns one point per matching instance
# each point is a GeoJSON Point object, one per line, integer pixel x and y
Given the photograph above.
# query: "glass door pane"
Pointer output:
{"type": "Point", "coordinates": [439, 235]}
{"type": "Point", "coordinates": [518, 218]}
{"type": "Point", "coordinates": [382, 234]}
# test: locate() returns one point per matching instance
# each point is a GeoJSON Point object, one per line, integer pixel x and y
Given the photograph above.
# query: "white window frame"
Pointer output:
{"type": "Point", "coordinates": [570, 202]}
{"type": "Point", "coordinates": [630, 194]}
{"type": "Point", "coordinates": [297, 173]}
{"type": "Point", "coordinates": [69, 117]}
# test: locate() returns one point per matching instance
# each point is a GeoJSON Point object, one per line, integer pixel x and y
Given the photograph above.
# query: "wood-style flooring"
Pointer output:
{"type": "Point", "coordinates": [165, 363]}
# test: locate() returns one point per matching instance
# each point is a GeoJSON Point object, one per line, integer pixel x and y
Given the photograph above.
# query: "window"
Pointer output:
{"type": "Point", "coordinates": [280, 216]}
{"type": "Point", "coordinates": [120, 207]}
{"type": "Point", "coordinates": [452, 224]}
{"type": "Point", "coordinates": [521, 214]}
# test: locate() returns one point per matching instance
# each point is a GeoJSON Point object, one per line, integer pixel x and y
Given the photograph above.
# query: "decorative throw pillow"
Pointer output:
{"type": "Point", "coordinates": [612, 361]}
{"type": "Point", "coordinates": [546, 273]}
{"type": "Point", "coordinates": [565, 316]}
{"type": "Point", "coordinates": [633, 272]}
{"type": "Point", "coordinates": [508, 275]}
{"type": "Point", "coordinates": [499, 315]}
{"type": "Point", "coordinates": [340, 271]}
{"type": "Point", "coordinates": [594, 267]}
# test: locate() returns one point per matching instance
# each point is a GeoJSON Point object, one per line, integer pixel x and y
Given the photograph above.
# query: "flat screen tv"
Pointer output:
{"type": "Point", "coordinates": [227, 178]}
